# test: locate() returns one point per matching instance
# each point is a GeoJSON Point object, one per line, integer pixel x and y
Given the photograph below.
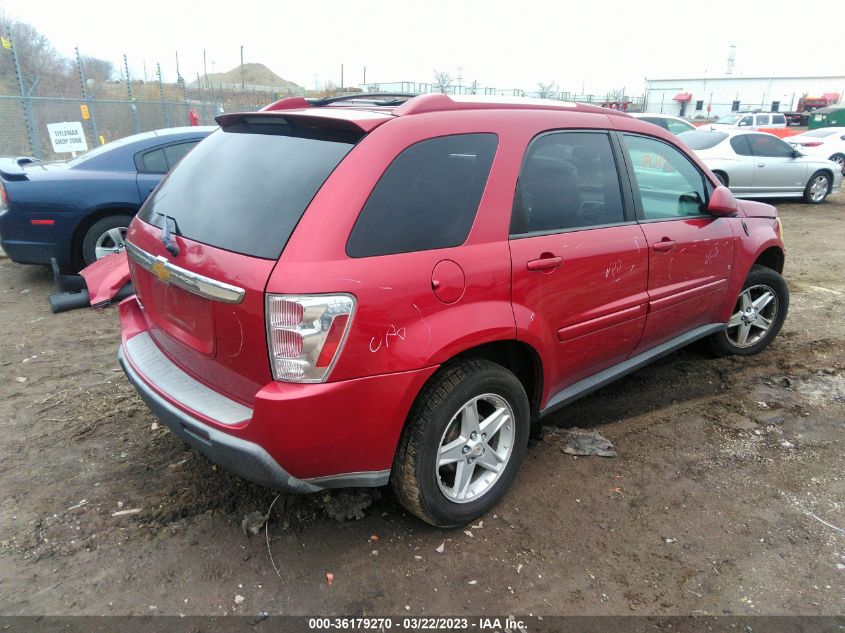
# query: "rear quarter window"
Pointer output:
{"type": "Point", "coordinates": [427, 198]}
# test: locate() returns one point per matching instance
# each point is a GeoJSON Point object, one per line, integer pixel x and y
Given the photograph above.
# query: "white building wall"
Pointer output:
{"type": "Point", "coordinates": [720, 92]}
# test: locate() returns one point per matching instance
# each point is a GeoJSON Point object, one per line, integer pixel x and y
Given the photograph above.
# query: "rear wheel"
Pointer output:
{"type": "Point", "coordinates": [758, 315]}
{"type": "Point", "coordinates": [839, 159]}
{"type": "Point", "coordinates": [817, 188]}
{"type": "Point", "coordinates": [463, 443]}
{"type": "Point", "coordinates": [105, 237]}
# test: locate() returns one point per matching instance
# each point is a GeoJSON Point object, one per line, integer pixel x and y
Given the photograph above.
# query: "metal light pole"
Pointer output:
{"type": "Point", "coordinates": [243, 86]}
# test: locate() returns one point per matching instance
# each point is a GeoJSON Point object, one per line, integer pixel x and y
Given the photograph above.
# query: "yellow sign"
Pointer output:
{"type": "Point", "coordinates": [84, 109]}
{"type": "Point", "coordinates": [7, 43]}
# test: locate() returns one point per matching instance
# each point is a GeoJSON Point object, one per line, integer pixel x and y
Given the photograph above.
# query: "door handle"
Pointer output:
{"type": "Point", "coordinates": [546, 262]}
{"type": "Point", "coordinates": [664, 245]}
{"type": "Point", "coordinates": [761, 164]}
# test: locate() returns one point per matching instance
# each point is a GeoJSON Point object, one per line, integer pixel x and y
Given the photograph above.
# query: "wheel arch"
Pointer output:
{"type": "Point", "coordinates": [772, 257]}
{"type": "Point", "coordinates": [518, 357]}
{"type": "Point", "coordinates": [89, 220]}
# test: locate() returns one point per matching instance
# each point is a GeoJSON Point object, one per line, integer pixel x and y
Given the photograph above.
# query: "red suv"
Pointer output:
{"type": "Point", "coordinates": [383, 290]}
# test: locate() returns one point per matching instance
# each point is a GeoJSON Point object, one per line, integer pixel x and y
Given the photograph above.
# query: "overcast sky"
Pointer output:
{"type": "Point", "coordinates": [599, 45]}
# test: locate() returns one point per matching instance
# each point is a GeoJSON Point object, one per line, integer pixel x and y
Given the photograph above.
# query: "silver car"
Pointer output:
{"type": "Point", "coordinates": [760, 165]}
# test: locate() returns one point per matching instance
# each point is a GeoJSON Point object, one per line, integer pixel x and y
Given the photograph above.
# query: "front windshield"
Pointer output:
{"type": "Point", "coordinates": [728, 119]}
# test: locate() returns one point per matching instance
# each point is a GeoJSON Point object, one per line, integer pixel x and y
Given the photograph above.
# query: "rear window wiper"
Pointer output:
{"type": "Point", "coordinates": [169, 244]}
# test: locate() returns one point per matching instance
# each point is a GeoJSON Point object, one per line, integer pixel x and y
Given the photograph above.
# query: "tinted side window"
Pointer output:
{"type": "Point", "coordinates": [175, 153]}
{"type": "Point", "coordinates": [763, 119]}
{"type": "Point", "coordinates": [155, 162]}
{"type": "Point", "coordinates": [427, 198]}
{"type": "Point", "coordinates": [670, 186]}
{"type": "Point", "coordinates": [746, 120]}
{"type": "Point", "coordinates": [778, 118]}
{"type": "Point", "coordinates": [769, 146]}
{"type": "Point", "coordinates": [568, 180]}
{"type": "Point", "coordinates": [740, 145]}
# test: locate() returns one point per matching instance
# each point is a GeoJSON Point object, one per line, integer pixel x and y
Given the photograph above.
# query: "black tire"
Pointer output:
{"type": "Point", "coordinates": [760, 276]}
{"type": "Point", "coordinates": [722, 177]}
{"type": "Point", "coordinates": [415, 476]}
{"type": "Point", "coordinates": [89, 242]}
{"type": "Point", "coordinates": [808, 195]}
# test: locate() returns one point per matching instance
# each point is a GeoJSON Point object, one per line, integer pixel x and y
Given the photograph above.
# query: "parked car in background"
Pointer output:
{"type": "Point", "coordinates": [370, 290]}
{"type": "Point", "coordinates": [825, 142]}
{"type": "Point", "coordinates": [760, 165]}
{"type": "Point", "coordinates": [747, 120]}
{"type": "Point", "coordinates": [78, 210]}
{"type": "Point", "coordinates": [673, 124]}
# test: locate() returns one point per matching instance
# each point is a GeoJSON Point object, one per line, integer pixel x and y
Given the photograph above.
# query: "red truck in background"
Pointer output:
{"type": "Point", "coordinates": [807, 104]}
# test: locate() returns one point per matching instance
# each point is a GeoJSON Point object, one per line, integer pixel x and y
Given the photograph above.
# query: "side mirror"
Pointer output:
{"type": "Point", "coordinates": [722, 202]}
{"type": "Point", "coordinates": [796, 154]}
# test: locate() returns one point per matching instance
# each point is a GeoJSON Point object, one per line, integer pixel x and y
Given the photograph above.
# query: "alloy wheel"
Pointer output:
{"type": "Point", "coordinates": [756, 311]}
{"type": "Point", "coordinates": [110, 242]}
{"type": "Point", "coordinates": [475, 448]}
{"type": "Point", "coordinates": [818, 188]}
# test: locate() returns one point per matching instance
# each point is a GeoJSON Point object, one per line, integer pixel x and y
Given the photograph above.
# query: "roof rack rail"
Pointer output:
{"type": "Point", "coordinates": [377, 97]}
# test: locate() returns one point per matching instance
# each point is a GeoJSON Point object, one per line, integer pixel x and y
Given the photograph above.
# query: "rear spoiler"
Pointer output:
{"type": "Point", "coordinates": [12, 168]}
{"type": "Point", "coordinates": [346, 120]}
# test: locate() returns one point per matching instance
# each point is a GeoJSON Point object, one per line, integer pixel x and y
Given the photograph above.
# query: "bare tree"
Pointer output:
{"type": "Point", "coordinates": [442, 81]}
{"type": "Point", "coordinates": [99, 70]}
{"type": "Point", "coordinates": [616, 95]}
{"type": "Point", "coordinates": [546, 91]}
{"type": "Point", "coordinates": [38, 59]}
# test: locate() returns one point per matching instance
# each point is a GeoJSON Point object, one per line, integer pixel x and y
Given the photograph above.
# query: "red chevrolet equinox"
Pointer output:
{"type": "Point", "coordinates": [392, 290]}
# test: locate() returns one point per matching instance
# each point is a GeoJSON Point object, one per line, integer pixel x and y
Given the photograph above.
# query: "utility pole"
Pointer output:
{"type": "Point", "coordinates": [365, 75]}
{"type": "Point", "coordinates": [243, 87]}
{"type": "Point", "coordinates": [341, 77]}
{"type": "Point", "coordinates": [204, 67]}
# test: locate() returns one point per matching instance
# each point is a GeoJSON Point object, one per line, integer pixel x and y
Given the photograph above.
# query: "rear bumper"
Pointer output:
{"type": "Point", "coordinates": [293, 437]}
{"type": "Point", "coordinates": [29, 252]}
{"type": "Point", "coordinates": [246, 459]}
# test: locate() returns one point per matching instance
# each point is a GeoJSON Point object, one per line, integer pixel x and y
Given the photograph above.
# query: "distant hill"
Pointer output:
{"type": "Point", "coordinates": [253, 75]}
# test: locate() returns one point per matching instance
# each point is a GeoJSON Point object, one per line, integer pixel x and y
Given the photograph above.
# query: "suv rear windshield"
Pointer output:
{"type": "Point", "coordinates": [702, 139]}
{"type": "Point", "coordinates": [244, 189]}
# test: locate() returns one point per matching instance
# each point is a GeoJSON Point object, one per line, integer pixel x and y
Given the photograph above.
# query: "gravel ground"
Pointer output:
{"type": "Point", "coordinates": [726, 497]}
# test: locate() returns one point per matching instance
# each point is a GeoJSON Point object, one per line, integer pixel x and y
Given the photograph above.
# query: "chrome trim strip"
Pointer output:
{"type": "Point", "coordinates": [160, 371]}
{"type": "Point", "coordinates": [197, 284]}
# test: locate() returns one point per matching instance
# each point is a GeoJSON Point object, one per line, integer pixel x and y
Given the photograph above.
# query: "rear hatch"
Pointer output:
{"type": "Point", "coordinates": [204, 244]}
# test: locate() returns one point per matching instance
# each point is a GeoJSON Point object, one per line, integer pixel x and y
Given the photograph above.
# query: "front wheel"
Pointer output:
{"type": "Point", "coordinates": [758, 315]}
{"type": "Point", "coordinates": [463, 443]}
{"type": "Point", "coordinates": [817, 188]}
{"type": "Point", "coordinates": [839, 159]}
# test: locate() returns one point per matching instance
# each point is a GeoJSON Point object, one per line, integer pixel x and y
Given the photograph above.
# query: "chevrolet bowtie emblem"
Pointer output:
{"type": "Point", "coordinates": [159, 269]}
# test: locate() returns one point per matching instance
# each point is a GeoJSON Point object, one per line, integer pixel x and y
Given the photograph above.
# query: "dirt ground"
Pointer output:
{"type": "Point", "coordinates": [725, 497]}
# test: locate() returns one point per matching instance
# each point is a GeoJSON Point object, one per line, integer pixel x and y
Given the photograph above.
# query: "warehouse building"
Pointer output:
{"type": "Point", "coordinates": [709, 97]}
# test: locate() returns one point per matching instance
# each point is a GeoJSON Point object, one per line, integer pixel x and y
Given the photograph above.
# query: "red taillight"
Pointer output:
{"type": "Point", "coordinates": [333, 341]}
{"type": "Point", "coordinates": [811, 144]}
{"type": "Point", "coordinates": [42, 222]}
{"type": "Point", "coordinates": [4, 197]}
{"type": "Point", "coordinates": [305, 334]}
